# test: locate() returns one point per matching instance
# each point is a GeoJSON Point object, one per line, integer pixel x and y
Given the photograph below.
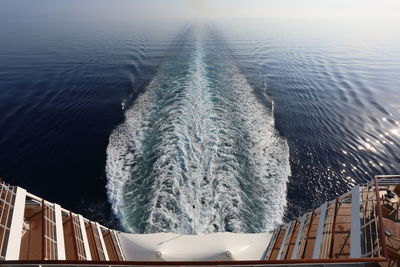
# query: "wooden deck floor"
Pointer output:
{"type": "Point", "coordinates": [335, 230]}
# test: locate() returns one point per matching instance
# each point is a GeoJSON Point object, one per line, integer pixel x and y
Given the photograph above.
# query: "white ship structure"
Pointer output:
{"type": "Point", "coordinates": [359, 228]}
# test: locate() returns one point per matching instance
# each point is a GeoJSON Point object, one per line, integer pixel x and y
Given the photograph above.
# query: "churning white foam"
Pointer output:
{"type": "Point", "coordinates": [215, 161]}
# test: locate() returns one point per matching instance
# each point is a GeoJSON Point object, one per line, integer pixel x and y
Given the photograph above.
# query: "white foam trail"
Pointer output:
{"type": "Point", "coordinates": [215, 147]}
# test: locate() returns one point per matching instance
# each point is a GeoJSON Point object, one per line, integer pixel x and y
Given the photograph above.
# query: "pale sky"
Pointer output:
{"type": "Point", "coordinates": [302, 8]}
{"type": "Point", "coordinates": [149, 9]}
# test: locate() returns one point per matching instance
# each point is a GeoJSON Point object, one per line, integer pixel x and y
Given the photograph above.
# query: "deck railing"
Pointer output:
{"type": "Point", "coordinates": [7, 197]}
{"type": "Point", "coordinates": [49, 242]}
{"type": "Point", "coordinates": [347, 229]}
{"type": "Point", "coordinates": [372, 238]}
{"type": "Point", "coordinates": [33, 229]}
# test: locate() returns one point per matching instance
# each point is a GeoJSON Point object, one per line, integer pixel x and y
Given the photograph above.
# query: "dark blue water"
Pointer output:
{"type": "Point", "coordinates": [63, 87]}
{"type": "Point", "coordinates": [215, 109]}
{"type": "Point", "coordinates": [335, 85]}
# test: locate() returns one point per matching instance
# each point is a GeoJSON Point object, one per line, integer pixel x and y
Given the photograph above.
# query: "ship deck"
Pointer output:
{"type": "Point", "coordinates": [360, 227]}
{"type": "Point", "coordinates": [363, 223]}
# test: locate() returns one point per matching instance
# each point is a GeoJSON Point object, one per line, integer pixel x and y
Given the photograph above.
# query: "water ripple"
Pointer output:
{"type": "Point", "coordinates": [198, 137]}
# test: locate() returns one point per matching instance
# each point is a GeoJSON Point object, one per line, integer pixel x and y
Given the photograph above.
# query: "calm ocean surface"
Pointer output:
{"type": "Point", "coordinates": [134, 123]}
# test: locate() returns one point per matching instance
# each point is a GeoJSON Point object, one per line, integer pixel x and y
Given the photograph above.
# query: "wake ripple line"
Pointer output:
{"type": "Point", "coordinates": [198, 152]}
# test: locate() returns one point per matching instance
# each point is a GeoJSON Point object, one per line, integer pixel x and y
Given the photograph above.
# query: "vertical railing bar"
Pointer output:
{"type": "Point", "coordinates": [374, 221]}
{"type": "Point", "coordinates": [333, 228]}
{"type": "Point", "coordinates": [112, 243]}
{"type": "Point", "coordinates": [370, 226]}
{"type": "Point", "coordinates": [362, 206]}
{"type": "Point", "coordinates": [323, 233]}
{"type": "Point", "coordinates": [74, 234]}
{"type": "Point", "coordinates": [95, 240]}
{"type": "Point", "coordinates": [355, 231]}
{"type": "Point", "coordinates": [43, 231]}
{"type": "Point", "coordinates": [1, 217]}
{"type": "Point", "coordinates": [2, 211]}
{"type": "Point", "coordinates": [372, 218]}
{"type": "Point", "coordinates": [291, 238]}
{"type": "Point", "coordinates": [103, 246]}
{"type": "Point", "coordinates": [320, 229]}
{"type": "Point", "coordinates": [272, 243]}
{"type": "Point", "coordinates": [308, 234]}
{"type": "Point", "coordinates": [365, 204]}
{"type": "Point", "coordinates": [118, 245]}
{"type": "Point", "coordinates": [368, 219]}
{"type": "Point", "coordinates": [382, 234]}
{"type": "Point", "coordinates": [283, 244]}
{"type": "Point", "coordinates": [14, 220]}
{"type": "Point", "coordinates": [299, 237]}
{"type": "Point", "coordinates": [326, 234]}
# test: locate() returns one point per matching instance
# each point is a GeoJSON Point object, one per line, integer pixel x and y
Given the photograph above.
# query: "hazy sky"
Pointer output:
{"type": "Point", "coordinates": [300, 8]}
{"type": "Point", "coordinates": [129, 9]}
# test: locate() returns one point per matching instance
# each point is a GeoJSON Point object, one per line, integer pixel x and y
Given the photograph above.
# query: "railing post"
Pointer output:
{"type": "Point", "coordinates": [318, 238]}
{"type": "Point", "coordinates": [84, 238]}
{"type": "Point", "coordinates": [333, 228]}
{"type": "Point", "coordinates": [308, 234]}
{"type": "Point", "coordinates": [382, 232]}
{"type": "Point", "coordinates": [103, 244]}
{"type": "Point", "coordinates": [91, 232]}
{"type": "Point", "coordinates": [17, 220]}
{"type": "Point", "coordinates": [43, 230]}
{"type": "Point", "coordinates": [59, 233]}
{"type": "Point", "coordinates": [71, 217]}
{"type": "Point", "coordinates": [119, 246]}
{"type": "Point", "coordinates": [299, 237]}
{"type": "Point", "coordinates": [291, 237]}
{"type": "Point", "coordinates": [283, 244]}
{"type": "Point", "coordinates": [355, 233]}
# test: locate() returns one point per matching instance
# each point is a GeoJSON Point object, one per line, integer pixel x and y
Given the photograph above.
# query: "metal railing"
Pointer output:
{"type": "Point", "coordinates": [49, 241]}
{"type": "Point", "coordinates": [7, 198]}
{"type": "Point", "coordinates": [370, 222]}
{"type": "Point", "coordinates": [77, 231]}
{"type": "Point", "coordinates": [323, 221]}
{"type": "Point", "coordinates": [370, 226]}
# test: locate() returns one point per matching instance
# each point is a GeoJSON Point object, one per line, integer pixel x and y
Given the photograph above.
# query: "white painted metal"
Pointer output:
{"type": "Point", "coordinates": [119, 244]}
{"type": "Point", "coordinates": [355, 234]}
{"type": "Point", "coordinates": [299, 237]}
{"type": "Point", "coordinates": [38, 199]}
{"type": "Point", "coordinates": [283, 244]}
{"type": "Point", "coordinates": [318, 239]}
{"type": "Point", "coordinates": [59, 233]}
{"type": "Point", "coordinates": [270, 244]}
{"type": "Point", "coordinates": [172, 246]}
{"type": "Point", "coordinates": [84, 237]}
{"type": "Point", "coordinates": [103, 244]}
{"type": "Point", "coordinates": [17, 220]}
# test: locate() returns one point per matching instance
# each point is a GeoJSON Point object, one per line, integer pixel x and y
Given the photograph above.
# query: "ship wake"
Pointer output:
{"type": "Point", "coordinates": [198, 152]}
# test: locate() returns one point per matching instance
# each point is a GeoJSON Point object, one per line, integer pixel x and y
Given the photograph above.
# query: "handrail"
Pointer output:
{"type": "Point", "coordinates": [387, 176]}
{"type": "Point", "coordinates": [382, 254]}
{"type": "Point", "coordinates": [214, 263]}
